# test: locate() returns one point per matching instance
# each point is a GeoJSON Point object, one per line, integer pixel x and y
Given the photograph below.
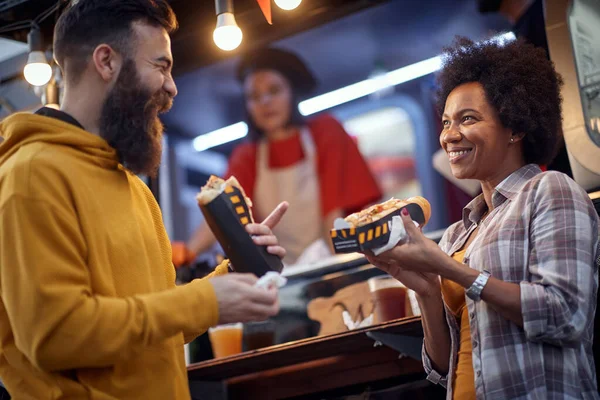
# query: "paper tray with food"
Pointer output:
{"type": "Point", "coordinates": [227, 211]}
{"type": "Point", "coordinates": [373, 228]}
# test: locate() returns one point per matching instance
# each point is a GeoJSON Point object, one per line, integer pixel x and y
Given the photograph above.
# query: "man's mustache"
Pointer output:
{"type": "Point", "coordinates": [161, 102]}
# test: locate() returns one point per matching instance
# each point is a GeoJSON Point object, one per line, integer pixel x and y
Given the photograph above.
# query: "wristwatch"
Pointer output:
{"type": "Point", "coordinates": [474, 292]}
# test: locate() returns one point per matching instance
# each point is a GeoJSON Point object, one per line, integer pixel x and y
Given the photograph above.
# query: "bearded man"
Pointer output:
{"type": "Point", "coordinates": [88, 302]}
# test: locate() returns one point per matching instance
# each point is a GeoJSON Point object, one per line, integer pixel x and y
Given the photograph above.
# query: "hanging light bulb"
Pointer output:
{"type": "Point", "coordinates": [288, 4]}
{"type": "Point", "coordinates": [37, 71]}
{"type": "Point", "coordinates": [227, 35]}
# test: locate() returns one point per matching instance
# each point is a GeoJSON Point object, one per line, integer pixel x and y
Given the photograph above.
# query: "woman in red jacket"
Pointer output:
{"type": "Point", "coordinates": [314, 164]}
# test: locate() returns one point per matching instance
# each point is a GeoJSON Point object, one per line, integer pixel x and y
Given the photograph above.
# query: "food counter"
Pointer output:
{"type": "Point", "coordinates": [303, 363]}
{"type": "Point", "coordinates": [382, 360]}
{"type": "Point", "coordinates": [322, 279]}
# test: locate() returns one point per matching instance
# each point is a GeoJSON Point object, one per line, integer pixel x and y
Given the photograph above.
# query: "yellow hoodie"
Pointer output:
{"type": "Point", "coordinates": [88, 303]}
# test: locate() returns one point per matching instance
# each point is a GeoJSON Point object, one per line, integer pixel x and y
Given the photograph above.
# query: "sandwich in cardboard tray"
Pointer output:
{"type": "Point", "coordinates": [371, 228]}
{"type": "Point", "coordinates": [227, 211]}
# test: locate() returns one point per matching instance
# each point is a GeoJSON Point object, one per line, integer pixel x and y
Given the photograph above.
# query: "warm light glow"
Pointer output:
{"type": "Point", "coordinates": [339, 96]}
{"type": "Point", "coordinates": [227, 35]}
{"type": "Point", "coordinates": [288, 4]}
{"type": "Point", "coordinates": [37, 71]}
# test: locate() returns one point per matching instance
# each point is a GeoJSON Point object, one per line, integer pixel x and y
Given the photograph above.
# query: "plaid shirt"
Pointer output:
{"type": "Point", "coordinates": [543, 235]}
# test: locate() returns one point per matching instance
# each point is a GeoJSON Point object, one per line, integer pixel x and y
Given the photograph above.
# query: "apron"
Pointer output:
{"type": "Point", "coordinates": [299, 186]}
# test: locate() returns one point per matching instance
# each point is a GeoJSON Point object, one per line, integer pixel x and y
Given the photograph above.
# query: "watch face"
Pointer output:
{"type": "Point", "coordinates": [584, 26]}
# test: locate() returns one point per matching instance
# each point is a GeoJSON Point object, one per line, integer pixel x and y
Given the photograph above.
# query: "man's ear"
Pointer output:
{"type": "Point", "coordinates": [107, 62]}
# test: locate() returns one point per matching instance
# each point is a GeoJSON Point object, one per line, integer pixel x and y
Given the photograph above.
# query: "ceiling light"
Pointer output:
{"type": "Point", "coordinates": [221, 136]}
{"type": "Point", "coordinates": [227, 35]}
{"type": "Point", "coordinates": [288, 4]}
{"type": "Point", "coordinates": [37, 71]}
{"type": "Point", "coordinates": [369, 86]}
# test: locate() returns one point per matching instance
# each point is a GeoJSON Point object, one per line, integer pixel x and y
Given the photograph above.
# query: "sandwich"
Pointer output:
{"type": "Point", "coordinates": [227, 210]}
{"type": "Point", "coordinates": [379, 211]}
{"type": "Point", "coordinates": [215, 186]}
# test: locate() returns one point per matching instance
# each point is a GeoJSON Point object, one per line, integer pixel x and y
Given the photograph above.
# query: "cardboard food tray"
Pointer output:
{"type": "Point", "coordinates": [373, 235]}
{"type": "Point", "coordinates": [227, 215]}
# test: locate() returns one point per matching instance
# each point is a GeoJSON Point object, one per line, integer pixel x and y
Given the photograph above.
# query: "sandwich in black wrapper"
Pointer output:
{"type": "Point", "coordinates": [372, 228]}
{"type": "Point", "coordinates": [227, 211]}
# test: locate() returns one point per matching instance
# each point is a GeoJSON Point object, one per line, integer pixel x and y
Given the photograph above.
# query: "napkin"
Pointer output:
{"type": "Point", "coordinates": [397, 235]}
{"type": "Point", "coordinates": [358, 323]}
{"type": "Point", "coordinates": [271, 280]}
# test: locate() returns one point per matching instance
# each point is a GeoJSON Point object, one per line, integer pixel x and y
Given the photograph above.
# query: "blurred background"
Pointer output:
{"type": "Point", "coordinates": [343, 43]}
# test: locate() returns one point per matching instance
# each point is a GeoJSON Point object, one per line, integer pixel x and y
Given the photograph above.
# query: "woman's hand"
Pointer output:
{"type": "Point", "coordinates": [416, 262]}
{"type": "Point", "coordinates": [423, 283]}
{"type": "Point", "coordinates": [262, 234]}
{"type": "Point", "coordinates": [416, 252]}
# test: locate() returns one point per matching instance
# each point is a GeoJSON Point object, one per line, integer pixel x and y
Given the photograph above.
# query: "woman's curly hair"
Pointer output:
{"type": "Point", "coordinates": [519, 82]}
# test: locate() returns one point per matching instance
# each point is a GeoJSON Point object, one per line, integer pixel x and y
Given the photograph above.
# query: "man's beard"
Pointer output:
{"type": "Point", "coordinates": [129, 122]}
{"type": "Point", "coordinates": [489, 6]}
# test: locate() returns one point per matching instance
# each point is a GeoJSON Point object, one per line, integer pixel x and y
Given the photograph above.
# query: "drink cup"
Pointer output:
{"type": "Point", "coordinates": [226, 340]}
{"type": "Point", "coordinates": [389, 298]}
{"type": "Point", "coordinates": [258, 335]}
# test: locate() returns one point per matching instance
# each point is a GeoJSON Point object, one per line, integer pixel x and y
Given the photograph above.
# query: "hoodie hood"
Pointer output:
{"type": "Point", "coordinates": [23, 129]}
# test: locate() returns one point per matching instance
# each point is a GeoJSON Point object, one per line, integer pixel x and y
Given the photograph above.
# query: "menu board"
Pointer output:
{"type": "Point", "coordinates": [584, 26]}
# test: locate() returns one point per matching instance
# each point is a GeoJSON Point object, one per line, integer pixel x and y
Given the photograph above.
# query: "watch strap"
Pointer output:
{"type": "Point", "coordinates": [474, 292]}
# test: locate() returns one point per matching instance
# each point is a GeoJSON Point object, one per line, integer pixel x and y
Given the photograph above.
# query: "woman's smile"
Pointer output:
{"type": "Point", "coordinates": [457, 155]}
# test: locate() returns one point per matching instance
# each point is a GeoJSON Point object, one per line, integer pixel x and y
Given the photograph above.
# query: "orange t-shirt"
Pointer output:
{"type": "Point", "coordinates": [463, 387]}
{"type": "Point", "coordinates": [345, 180]}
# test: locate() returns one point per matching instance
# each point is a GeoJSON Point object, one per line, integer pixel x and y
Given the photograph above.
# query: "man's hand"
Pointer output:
{"type": "Point", "coordinates": [240, 301]}
{"type": "Point", "coordinates": [262, 234]}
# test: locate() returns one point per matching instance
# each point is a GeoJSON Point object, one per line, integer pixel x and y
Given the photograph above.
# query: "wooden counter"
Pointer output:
{"type": "Point", "coordinates": [314, 365]}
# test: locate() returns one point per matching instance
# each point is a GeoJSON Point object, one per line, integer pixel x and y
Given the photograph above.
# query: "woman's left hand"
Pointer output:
{"type": "Point", "coordinates": [262, 234]}
{"type": "Point", "coordinates": [416, 253]}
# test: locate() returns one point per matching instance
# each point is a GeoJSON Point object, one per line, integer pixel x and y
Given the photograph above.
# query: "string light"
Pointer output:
{"type": "Point", "coordinates": [227, 35]}
{"type": "Point", "coordinates": [37, 71]}
{"type": "Point", "coordinates": [288, 4]}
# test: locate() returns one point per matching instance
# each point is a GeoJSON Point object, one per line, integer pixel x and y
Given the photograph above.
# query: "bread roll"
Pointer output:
{"type": "Point", "coordinates": [379, 211]}
{"type": "Point", "coordinates": [215, 186]}
{"type": "Point", "coordinates": [424, 204]}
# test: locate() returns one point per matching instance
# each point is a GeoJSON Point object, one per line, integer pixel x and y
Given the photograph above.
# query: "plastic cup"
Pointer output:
{"type": "Point", "coordinates": [258, 335]}
{"type": "Point", "coordinates": [226, 340]}
{"type": "Point", "coordinates": [389, 298]}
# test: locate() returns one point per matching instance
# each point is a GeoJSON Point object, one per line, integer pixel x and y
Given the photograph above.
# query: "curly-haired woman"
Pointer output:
{"type": "Point", "coordinates": [508, 298]}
